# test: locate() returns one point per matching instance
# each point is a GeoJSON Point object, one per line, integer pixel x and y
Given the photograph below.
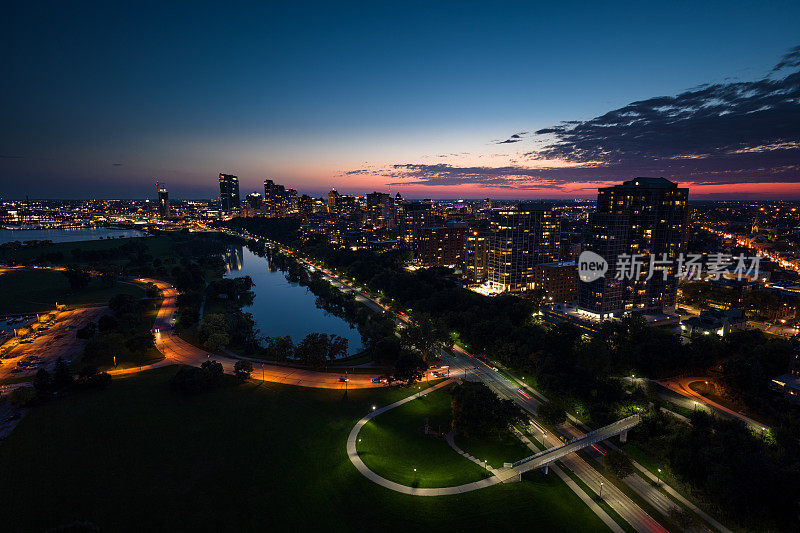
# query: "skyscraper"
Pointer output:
{"type": "Point", "coordinates": [229, 192]}
{"type": "Point", "coordinates": [163, 201]}
{"type": "Point", "coordinates": [521, 238]}
{"type": "Point", "coordinates": [644, 217]}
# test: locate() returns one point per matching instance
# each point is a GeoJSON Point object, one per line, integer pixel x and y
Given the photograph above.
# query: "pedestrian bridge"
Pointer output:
{"type": "Point", "coordinates": [545, 457]}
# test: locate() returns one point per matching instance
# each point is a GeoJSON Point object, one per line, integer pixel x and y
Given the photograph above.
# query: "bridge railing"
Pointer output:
{"type": "Point", "coordinates": [603, 433]}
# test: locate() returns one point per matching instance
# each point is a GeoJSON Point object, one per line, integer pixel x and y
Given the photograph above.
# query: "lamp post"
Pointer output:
{"type": "Point", "coordinates": [659, 476]}
{"type": "Point", "coordinates": [601, 490]}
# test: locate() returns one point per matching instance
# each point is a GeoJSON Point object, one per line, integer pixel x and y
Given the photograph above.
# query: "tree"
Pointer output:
{"type": "Point", "coordinates": [43, 381]}
{"type": "Point", "coordinates": [193, 380]}
{"type": "Point", "coordinates": [478, 411]}
{"type": "Point", "coordinates": [217, 341]}
{"type": "Point", "coordinates": [280, 348]}
{"type": "Point", "coordinates": [78, 278]}
{"type": "Point", "coordinates": [409, 368]}
{"type": "Point", "coordinates": [618, 463]}
{"type": "Point", "coordinates": [62, 377]}
{"type": "Point", "coordinates": [337, 347]}
{"type": "Point", "coordinates": [214, 331]}
{"type": "Point", "coordinates": [107, 323]}
{"type": "Point", "coordinates": [422, 336]}
{"type": "Point", "coordinates": [141, 343]}
{"type": "Point", "coordinates": [214, 371]}
{"type": "Point", "coordinates": [552, 413]}
{"type": "Point", "coordinates": [243, 369]}
{"type": "Point", "coordinates": [683, 518]}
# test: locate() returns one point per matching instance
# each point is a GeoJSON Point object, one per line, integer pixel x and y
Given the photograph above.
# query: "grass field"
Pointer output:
{"type": "Point", "coordinates": [256, 456]}
{"type": "Point", "coordinates": [393, 444]}
{"type": "Point", "coordinates": [157, 247]}
{"type": "Point", "coordinates": [505, 449]}
{"type": "Point", "coordinates": [31, 291]}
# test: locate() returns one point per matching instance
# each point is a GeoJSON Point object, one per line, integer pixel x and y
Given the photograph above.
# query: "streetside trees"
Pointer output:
{"type": "Point", "coordinates": [243, 369]}
{"type": "Point", "coordinates": [477, 411]}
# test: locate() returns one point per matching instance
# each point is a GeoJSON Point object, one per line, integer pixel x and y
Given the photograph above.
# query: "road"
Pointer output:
{"type": "Point", "coordinates": [176, 350]}
{"type": "Point", "coordinates": [691, 399]}
{"type": "Point", "coordinates": [474, 368]}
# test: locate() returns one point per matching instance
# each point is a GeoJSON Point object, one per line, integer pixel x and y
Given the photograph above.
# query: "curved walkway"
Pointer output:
{"type": "Point", "coordinates": [177, 350]}
{"type": "Point", "coordinates": [352, 453]}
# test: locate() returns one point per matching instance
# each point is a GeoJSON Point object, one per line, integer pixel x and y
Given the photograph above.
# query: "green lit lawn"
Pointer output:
{"type": "Point", "coordinates": [31, 291]}
{"type": "Point", "coordinates": [138, 457]}
{"type": "Point", "coordinates": [393, 445]}
{"type": "Point", "coordinates": [496, 451]}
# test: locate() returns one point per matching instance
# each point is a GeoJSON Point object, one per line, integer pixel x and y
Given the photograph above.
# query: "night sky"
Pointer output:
{"type": "Point", "coordinates": [433, 99]}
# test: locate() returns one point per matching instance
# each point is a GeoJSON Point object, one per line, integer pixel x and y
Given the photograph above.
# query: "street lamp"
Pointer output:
{"type": "Point", "coordinates": [659, 475]}
{"type": "Point", "coordinates": [601, 490]}
{"type": "Point", "coordinates": [373, 407]}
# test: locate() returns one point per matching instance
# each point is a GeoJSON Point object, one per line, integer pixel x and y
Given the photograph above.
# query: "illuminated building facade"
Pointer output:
{"type": "Point", "coordinates": [229, 192]}
{"type": "Point", "coordinates": [646, 216]}
{"type": "Point", "coordinates": [520, 238]}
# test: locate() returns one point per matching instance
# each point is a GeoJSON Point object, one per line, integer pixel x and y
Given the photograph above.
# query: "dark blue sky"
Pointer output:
{"type": "Point", "coordinates": [102, 99]}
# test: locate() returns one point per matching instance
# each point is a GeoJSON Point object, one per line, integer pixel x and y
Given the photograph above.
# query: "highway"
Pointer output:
{"type": "Point", "coordinates": [473, 368]}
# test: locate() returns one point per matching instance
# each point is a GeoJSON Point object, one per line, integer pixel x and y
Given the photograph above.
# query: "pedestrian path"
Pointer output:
{"type": "Point", "coordinates": [352, 453]}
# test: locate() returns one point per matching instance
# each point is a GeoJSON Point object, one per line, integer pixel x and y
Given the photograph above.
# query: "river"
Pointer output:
{"type": "Point", "coordinates": [65, 235]}
{"type": "Point", "coordinates": [282, 308]}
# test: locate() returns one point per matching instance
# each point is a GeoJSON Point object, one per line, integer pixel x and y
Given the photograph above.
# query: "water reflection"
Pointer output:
{"type": "Point", "coordinates": [233, 258]}
{"type": "Point", "coordinates": [282, 308]}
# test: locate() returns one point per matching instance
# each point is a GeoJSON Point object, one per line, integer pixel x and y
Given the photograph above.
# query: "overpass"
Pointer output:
{"type": "Point", "coordinates": [545, 457]}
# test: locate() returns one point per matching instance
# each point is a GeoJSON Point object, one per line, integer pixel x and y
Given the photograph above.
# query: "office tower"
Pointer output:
{"type": "Point", "coordinates": [333, 202]}
{"type": "Point", "coordinates": [644, 217]}
{"type": "Point", "coordinates": [229, 192]}
{"type": "Point", "coordinates": [440, 245]}
{"type": "Point", "coordinates": [163, 201]}
{"type": "Point", "coordinates": [520, 238]}
{"type": "Point", "coordinates": [269, 190]}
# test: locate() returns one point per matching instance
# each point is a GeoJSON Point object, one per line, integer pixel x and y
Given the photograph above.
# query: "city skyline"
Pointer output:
{"type": "Point", "coordinates": [475, 103]}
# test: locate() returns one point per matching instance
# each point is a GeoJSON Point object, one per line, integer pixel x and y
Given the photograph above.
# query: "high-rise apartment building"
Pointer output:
{"type": "Point", "coordinates": [644, 221]}
{"type": "Point", "coordinates": [229, 192]}
{"type": "Point", "coordinates": [440, 245]}
{"type": "Point", "coordinates": [476, 255]}
{"type": "Point", "coordinates": [520, 238]}
{"type": "Point", "coordinates": [380, 210]}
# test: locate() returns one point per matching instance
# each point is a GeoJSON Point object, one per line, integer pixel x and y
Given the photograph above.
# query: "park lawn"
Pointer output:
{"type": "Point", "coordinates": [157, 247]}
{"type": "Point", "coordinates": [32, 291]}
{"type": "Point", "coordinates": [506, 448]}
{"type": "Point", "coordinates": [393, 445]}
{"type": "Point", "coordinates": [138, 456]}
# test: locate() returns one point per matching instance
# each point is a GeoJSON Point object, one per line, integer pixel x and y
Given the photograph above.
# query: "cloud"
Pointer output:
{"type": "Point", "coordinates": [718, 132]}
{"type": "Point", "coordinates": [116, 164]}
{"type": "Point", "coordinates": [789, 59]}
{"type": "Point", "coordinates": [727, 133]}
{"type": "Point", "coordinates": [515, 138]}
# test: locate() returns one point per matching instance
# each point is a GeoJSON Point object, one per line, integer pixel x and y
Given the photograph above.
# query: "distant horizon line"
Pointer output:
{"type": "Point", "coordinates": [408, 198]}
